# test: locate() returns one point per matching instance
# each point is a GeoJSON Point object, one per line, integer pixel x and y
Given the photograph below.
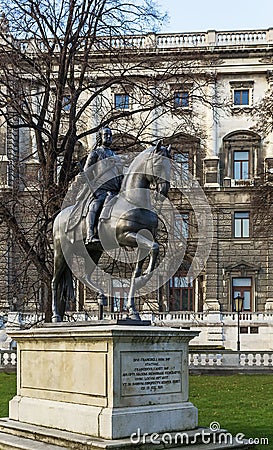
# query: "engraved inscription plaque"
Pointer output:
{"type": "Point", "coordinates": [155, 372]}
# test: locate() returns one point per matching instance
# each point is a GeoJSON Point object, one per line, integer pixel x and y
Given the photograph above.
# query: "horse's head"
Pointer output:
{"type": "Point", "coordinates": [158, 168]}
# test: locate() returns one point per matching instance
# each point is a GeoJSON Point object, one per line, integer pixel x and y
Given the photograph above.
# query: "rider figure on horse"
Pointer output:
{"type": "Point", "coordinates": [105, 179]}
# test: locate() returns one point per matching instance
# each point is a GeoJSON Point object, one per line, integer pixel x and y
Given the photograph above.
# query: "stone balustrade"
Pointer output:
{"type": "Point", "coordinates": [211, 38]}
{"type": "Point", "coordinates": [181, 40]}
{"type": "Point", "coordinates": [8, 360]}
{"type": "Point", "coordinates": [244, 361]}
{"type": "Point", "coordinates": [203, 317]}
{"type": "Point", "coordinates": [242, 37]}
{"type": "Point", "coordinates": [199, 360]}
{"type": "Point", "coordinates": [185, 317]}
{"type": "Point", "coordinates": [215, 328]}
{"type": "Point", "coordinates": [259, 317]}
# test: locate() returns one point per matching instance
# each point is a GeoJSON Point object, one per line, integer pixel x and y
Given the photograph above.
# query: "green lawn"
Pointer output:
{"type": "Point", "coordinates": [239, 403]}
{"type": "Point", "coordinates": [7, 391]}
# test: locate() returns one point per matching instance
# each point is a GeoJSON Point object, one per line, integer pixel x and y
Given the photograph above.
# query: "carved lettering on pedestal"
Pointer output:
{"type": "Point", "coordinates": [151, 373]}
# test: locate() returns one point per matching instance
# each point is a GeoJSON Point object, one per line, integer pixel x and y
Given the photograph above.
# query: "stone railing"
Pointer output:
{"type": "Point", "coordinates": [179, 317]}
{"type": "Point", "coordinates": [245, 361]}
{"type": "Point", "coordinates": [23, 319]}
{"type": "Point", "coordinates": [252, 37]}
{"type": "Point", "coordinates": [247, 317]}
{"type": "Point", "coordinates": [239, 38]}
{"type": "Point", "coordinates": [204, 317]}
{"type": "Point", "coordinates": [185, 317]}
{"type": "Point", "coordinates": [199, 360]}
{"type": "Point", "coordinates": [8, 360]}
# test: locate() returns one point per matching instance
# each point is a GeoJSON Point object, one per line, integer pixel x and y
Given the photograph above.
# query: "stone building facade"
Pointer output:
{"type": "Point", "coordinates": [230, 160]}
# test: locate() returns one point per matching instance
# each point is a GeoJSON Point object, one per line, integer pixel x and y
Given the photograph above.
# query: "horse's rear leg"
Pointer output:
{"type": "Point", "coordinates": [145, 246]}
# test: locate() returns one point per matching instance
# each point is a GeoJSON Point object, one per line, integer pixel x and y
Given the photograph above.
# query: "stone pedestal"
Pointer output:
{"type": "Point", "coordinates": [105, 381]}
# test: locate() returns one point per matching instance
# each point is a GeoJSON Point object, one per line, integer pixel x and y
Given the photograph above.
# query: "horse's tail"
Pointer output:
{"type": "Point", "coordinates": [63, 294]}
{"type": "Point", "coordinates": [66, 291]}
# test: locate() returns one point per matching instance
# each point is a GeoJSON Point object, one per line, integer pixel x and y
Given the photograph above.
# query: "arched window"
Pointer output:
{"type": "Point", "coordinates": [188, 158]}
{"type": "Point", "coordinates": [241, 159]}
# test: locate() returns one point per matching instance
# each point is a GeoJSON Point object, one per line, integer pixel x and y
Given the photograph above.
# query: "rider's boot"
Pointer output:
{"type": "Point", "coordinates": [90, 233]}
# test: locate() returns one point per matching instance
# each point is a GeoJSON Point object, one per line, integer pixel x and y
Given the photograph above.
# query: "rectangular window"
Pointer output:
{"type": "Point", "coordinates": [180, 169]}
{"type": "Point", "coordinates": [243, 330]}
{"type": "Point", "coordinates": [181, 99]}
{"type": "Point", "coordinates": [121, 101]}
{"type": "Point", "coordinates": [243, 287]}
{"type": "Point", "coordinates": [181, 293]}
{"type": "Point", "coordinates": [241, 165]}
{"type": "Point", "coordinates": [183, 160]}
{"type": "Point", "coordinates": [241, 97]}
{"type": "Point", "coordinates": [181, 226]}
{"type": "Point", "coordinates": [254, 330]}
{"type": "Point", "coordinates": [241, 224]}
{"type": "Point", "coordinates": [120, 289]}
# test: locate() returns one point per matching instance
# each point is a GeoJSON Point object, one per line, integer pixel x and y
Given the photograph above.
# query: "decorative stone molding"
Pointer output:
{"type": "Point", "coordinates": [211, 305]}
{"type": "Point", "coordinates": [242, 84]}
{"type": "Point", "coordinates": [269, 305]}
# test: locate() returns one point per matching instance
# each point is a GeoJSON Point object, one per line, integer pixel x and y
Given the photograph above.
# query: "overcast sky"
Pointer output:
{"type": "Point", "coordinates": [203, 15]}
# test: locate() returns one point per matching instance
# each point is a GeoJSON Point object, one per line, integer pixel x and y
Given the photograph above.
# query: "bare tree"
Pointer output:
{"type": "Point", "coordinates": [60, 63]}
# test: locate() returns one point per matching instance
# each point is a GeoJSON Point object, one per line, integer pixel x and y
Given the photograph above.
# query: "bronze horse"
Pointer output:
{"type": "Point", "coordinates": [133, 223]}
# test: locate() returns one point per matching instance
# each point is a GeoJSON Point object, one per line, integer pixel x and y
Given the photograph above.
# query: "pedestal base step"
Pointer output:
{"type": "Point", "coordinates": [9, 441]}
{"type": "Point", "coordinates": [23, 436]}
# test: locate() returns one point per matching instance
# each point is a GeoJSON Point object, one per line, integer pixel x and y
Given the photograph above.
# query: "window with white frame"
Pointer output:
{"type": "Point", "coordinates": [242, 94]}
{"type": "Point", "coordinates": [242, 157]}
{"type": "Point", "coordinates": [241, 224]}
{"type": "Point", "coordinates": [241, 97]}
{"type": "Point", "coordinates": [241, 165]}
{"type": "Point", "coordinates": [180, 94]}
{"type": "Point", "coordinates": [122, 101]}
{"type": "Point", "coordinates": [180, 168]}
{"type": "Point", "coordinates": [181, 99]}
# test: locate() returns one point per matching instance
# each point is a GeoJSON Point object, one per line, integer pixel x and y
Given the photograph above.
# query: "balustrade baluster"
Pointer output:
{"type": "Point", "coordinates": [246, 360]}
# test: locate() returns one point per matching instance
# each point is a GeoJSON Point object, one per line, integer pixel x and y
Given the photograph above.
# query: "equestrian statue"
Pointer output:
{"type": "Point", "coordinates": [111, 211]}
